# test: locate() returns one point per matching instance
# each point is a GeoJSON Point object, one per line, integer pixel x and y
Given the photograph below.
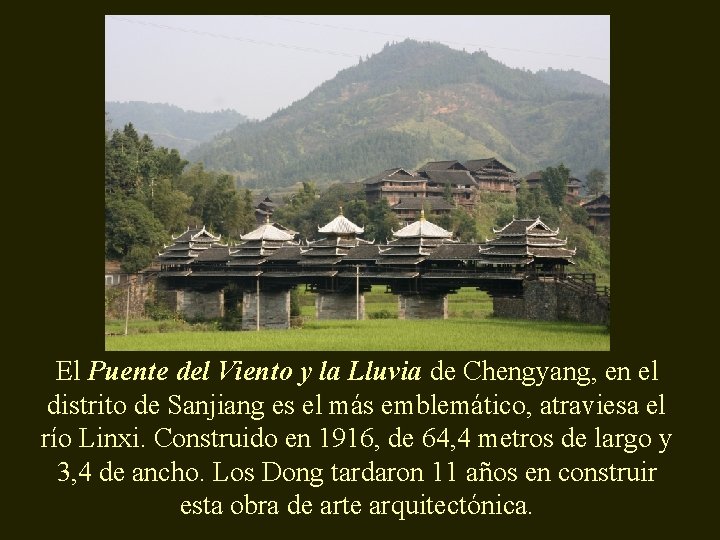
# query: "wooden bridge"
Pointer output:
{"type": "Point", "coordinates": [523, 269]}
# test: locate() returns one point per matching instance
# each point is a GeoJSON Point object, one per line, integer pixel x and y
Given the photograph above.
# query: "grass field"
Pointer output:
{"type": "Point", "coordinates": [383, 334]}
{"type": "Point", "coordinates": [469, 327]}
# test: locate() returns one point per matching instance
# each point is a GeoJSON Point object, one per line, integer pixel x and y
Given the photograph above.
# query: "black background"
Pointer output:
{"type": "Point", "coordinates": [55, 62]}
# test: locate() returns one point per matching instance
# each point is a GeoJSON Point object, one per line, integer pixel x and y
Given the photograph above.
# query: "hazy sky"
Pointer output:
{"type": "Point", "coordinates": [258, 64]}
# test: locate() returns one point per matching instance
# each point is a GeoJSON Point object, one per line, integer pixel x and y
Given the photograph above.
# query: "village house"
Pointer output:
{"type": "Point", "coordinates": [438, 181]}
{"type": "Point", "coordinates": [534, 181]}
{"type": "Point", "coordinates": [393, 185]}
{"type": "Point", "coordinates": [408, 210]}
{"type": "Point", "coordinates": [598, 210]}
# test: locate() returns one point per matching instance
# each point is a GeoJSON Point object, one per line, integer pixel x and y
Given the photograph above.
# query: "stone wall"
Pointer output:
{"type": "Point", "coordinates": [541, 300]}
{"type": "Point", "coordinates": [509, 308]}
{"type": "Point", "coordinates": [194, 305]}
{"type": "Point", "coordinates": [116, 297]}
{"type": "Point", "coordinates": [274, 310]}
{"type": "Point", "coordinates": [426, 306]}
{"type": "Point", "coordinates": [551, 301]}
{"type": "Point", "coordinates": [330, 306]}
{"type": "Point", "coordinates": [583, 308]}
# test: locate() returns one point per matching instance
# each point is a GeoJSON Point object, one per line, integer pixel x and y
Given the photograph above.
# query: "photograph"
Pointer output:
{"type": "Point", "coordinates": [357, 182]}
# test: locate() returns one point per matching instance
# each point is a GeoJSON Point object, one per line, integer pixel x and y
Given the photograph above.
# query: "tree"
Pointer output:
{"type": "Point", "coordinates": [448, 193]}
{"type": "Point", "coordinates": [132, 234]}
{"type": "Point", "coordinates": [555, 181]}
{"type": "Point", "coordinates": [596, 181]}
{"type": "Point", "coordinates": [171, 206]}
{"type": "Point", "coordinates": [382, 221]}
{"type": "Point", "coordinates": [463, 225]}
{"type": "Point", "coordinates": [533, 203]}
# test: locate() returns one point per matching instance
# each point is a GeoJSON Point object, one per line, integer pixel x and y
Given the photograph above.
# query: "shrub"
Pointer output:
{"type": "Point", "coordinates": [159, 312]}
{"type": "Point", "coordinates": [382, 314]}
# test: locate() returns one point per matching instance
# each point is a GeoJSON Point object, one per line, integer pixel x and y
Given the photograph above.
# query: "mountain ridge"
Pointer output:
{"type": "Point", "coordinates": [171, 126]}
{"type": "Point", "coordinates": [416, 102]}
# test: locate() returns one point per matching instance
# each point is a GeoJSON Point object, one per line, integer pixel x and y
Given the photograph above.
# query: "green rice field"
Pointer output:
{"type": "Point", "coordinates": [456, 334]}
{"type": "Point", "coordinates": [470, 326]}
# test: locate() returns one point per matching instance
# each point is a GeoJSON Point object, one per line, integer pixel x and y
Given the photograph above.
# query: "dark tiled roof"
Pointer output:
{"type": "Point", "coordinates": [505, 250]}
{"type": "Point", "coordinates": [450, 177]}
{"type": "Point", "coordinates": [538, 241]}
{"type": "Point", "coordinates": [246, 261]}
{"type": "Point", "coordinates": [506, 260]}
{"type": "Point", "coordinates": [550, 253]}
{"type": "Point", "coordinates": [196, 235]}
{"type": "Point", "coordinates": [320, 261]}
{"type": "Point", "coordinates": [392, 261]}
{"type": "Point", "coordinates": [442, 165]}
{"type": "Point", "coordinates": [396, 275]}
{"type": "Point", "coordinates": [416, 203]}
{"type": "Point", "coordinates": [533, 176]}
{"type": "Point", "coordinates": [525, 226]}
{"type": "Point", "coordinates": [480, 164]}
{"type": "Point", "coordinates": [289, 253]}
{"type": "Point", "coordinates": [403, 250]}
{"type": "Point", "coordinates": [214, 254]}
{"type": "Point", "coordinates": [455, 251]}
{"type": "Point", "coordinates": [363, 252]}
{"type": "Point", "coordinates": [601, 201]}
{"type": "Point", "coordinates": [398, 174]}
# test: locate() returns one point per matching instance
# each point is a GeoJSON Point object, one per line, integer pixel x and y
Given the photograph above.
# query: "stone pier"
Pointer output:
{"type": "Point", "coordinates": [194, 305]}
{"type": "Point", "coordinates": [551, 301]}
{"type": "Point", "coordinates": [426, 306]}
{"type": "Point", "coordinates": [274, 310]}
{"type": "Point", "coordinates": [338, 306]}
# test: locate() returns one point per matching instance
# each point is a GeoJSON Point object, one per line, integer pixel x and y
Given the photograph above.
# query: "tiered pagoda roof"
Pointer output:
{"type": "Point", "coordinates": [413, 243]}
{"type": "Point", "coordinates": [187, 247]}
{"type": "Point", "coordinates": [257, 245]}
{"type": "Point", "coordinates": [341, 237]}
{"type": "Point", "coordinates": [526, 241]}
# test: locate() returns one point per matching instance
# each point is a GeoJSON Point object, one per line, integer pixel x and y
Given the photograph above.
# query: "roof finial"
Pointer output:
{"type": "Point", "coordinates": [267, 218]}
{"type": "Point", "coordinates": [422, 214]}
{"type": "Point", "coordinates": [341, 213]}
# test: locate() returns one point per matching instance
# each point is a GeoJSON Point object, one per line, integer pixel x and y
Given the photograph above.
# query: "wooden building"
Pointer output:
{"type": "Point", "coordinates": [176, 259]}
{"type": "Point", "coordinates": [393, 185]}
{"type": "Point", "coordinates": [408, 210]}
{"type": "Point", "coordinates": [598, 210]}
{"type": "Point", "coordinates": [437, 179]}
{"type": "Point", "coordinates": [256, 246]}
{"type": "Point", "coordinates": [341, 235]}
{"type": "Point", "coordinates": [526, 243]}
{"type": "Point", "coordinates": [264, 210]}
{"type": "Point", "coordinates": [491, 175]}
{"type": "Point", "coordinates": [413, 243]}
{"type": "Point", "coordinates": [458, 183]}
{"type": "Point", "coordinates": [534, 181]}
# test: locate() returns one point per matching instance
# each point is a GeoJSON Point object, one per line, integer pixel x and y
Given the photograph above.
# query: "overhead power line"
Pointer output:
{"type": "Point", "coordinates": [402, 36]}
{"type": "Point", "coordinates": [233, 38]}
{"type": "Point", "coordinates": [344, 28]}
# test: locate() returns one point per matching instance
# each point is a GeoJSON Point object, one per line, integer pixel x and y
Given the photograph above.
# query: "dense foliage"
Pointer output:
{"type": "Point", "coordinates": [149, 194]}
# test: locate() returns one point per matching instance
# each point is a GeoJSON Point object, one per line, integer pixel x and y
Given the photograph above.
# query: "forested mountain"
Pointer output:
{"type": "Point", "coordinates": [573, 81]}
{"type": "Point", "coordinates": [415, 102]}
{"type": "Point", "coordinates": [171, 126]}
